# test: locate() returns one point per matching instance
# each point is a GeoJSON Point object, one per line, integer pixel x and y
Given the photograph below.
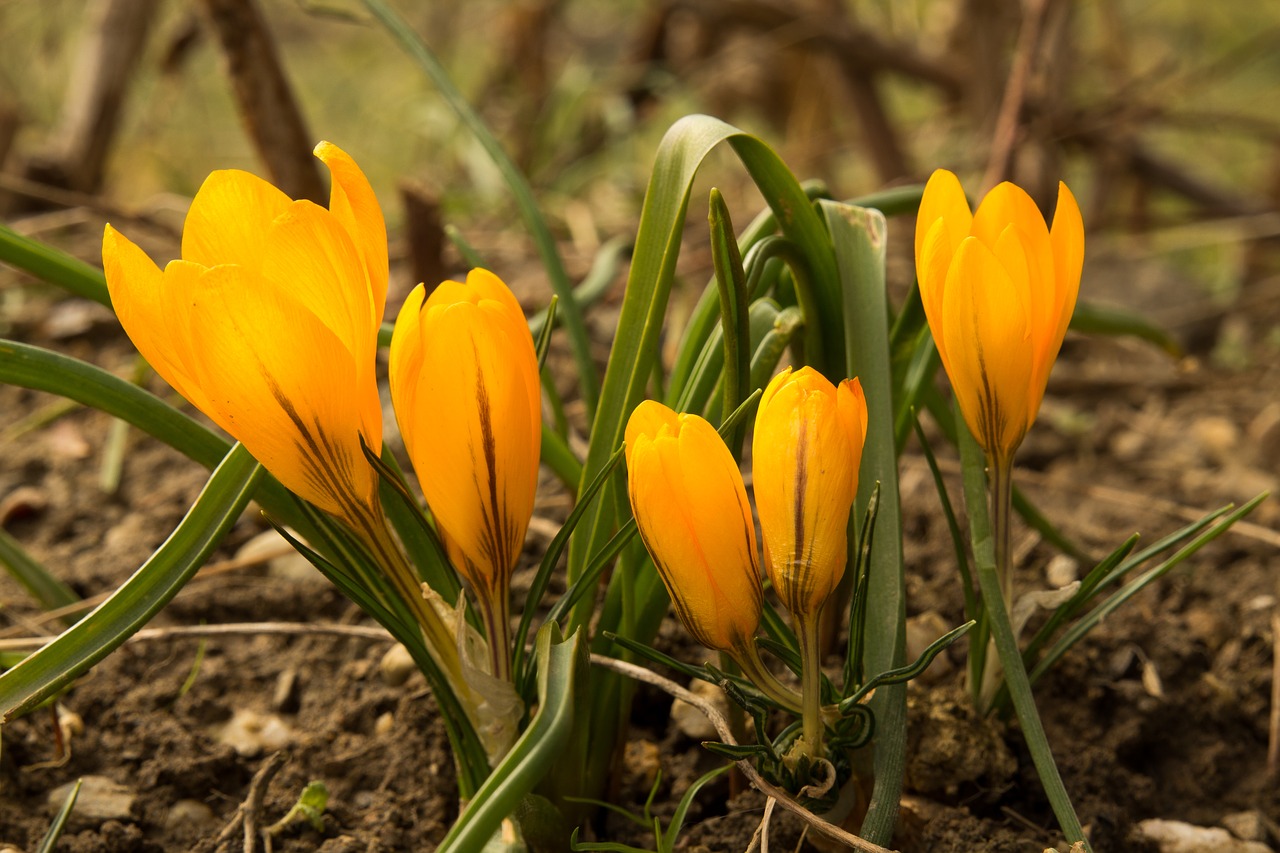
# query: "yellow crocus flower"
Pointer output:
{"type": "Point", "coordinates": [268, 324]}
{"type": "Point", "coordinates": [805, 457]}
{"type": "Point", "coordinates": [691, 508]}
{"type": "Point", "coordinates": [467, 395]}
{"type": "Point", "coordinates": [998, 289]}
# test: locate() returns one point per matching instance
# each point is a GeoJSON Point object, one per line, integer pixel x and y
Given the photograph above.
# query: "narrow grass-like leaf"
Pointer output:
{"type": "Point", "coordinates": [140, 597]}
{"type": "Point", "coordinates": [1092, 318]}
{"type": "Point", "coordinates": [731, 283]}
{"type": "Point", "coordinates": [786, 325]}
{"type": "Point", "coordinates": [973, 464]}
{"type": "Point", "coordinates": [557, 455]}
{"type": "Point", "coordinates": [44, 370]}
{"type": "Point", "coordinates": [562, 664]}
{"type": "Point", "coordinates": [47, 589]}
{"type": "Point", "coordinates": [859, 238]}
{"type": "Point", "coordinates": [1090, 620]}
{"type": "Point", "coordinates": [668, 841]}
{"type": "Point", "coordinates": [519, 186]}
{"type": "Point", "coordinates": [549, 559]}
{"type": "Point", "coordinates": [50, 840]}
{"type": "Point", "coordinates": [910, 671]}
{"type": "Point", "coordinates": [543, 344]}
{"type": "Point", "coordinates": [470, 256]}
{"type": "Point", "coordinates": [860, 571]}
{"type": "Point", "coordinates": [420, 539]}
{"type": "Point", "coordinates": [57, 267]}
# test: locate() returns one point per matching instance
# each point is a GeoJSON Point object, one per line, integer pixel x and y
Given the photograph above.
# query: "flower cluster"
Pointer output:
{"type": "Point", "coordinates": [269, 325]}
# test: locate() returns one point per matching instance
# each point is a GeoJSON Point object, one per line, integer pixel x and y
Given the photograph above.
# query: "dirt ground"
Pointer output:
{"type": "Point", "coordinates": [1161, 713]}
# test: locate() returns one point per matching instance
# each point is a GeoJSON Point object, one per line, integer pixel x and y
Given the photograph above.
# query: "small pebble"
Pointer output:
{"type": "Point", "coordinates": [1061, 571]}
{"type": "Point", "coordinates": [691, 722]}
{"type": "Point", "coordinates": [384, 724]}
{"type": "Point", "coordinates": [396, 666]}
{"type": "Point", "coordinates": [1247, 826]}
{"type": "Point", "coordinates": [643, 759]}
{"type": "Point", "coordinates": [251, 733]}
{"type": "Point", "coordinates": [100, 800]}
{"type": "Point", "coordinates": [1174, 836]}
{"type": "Point", "coordinates": [1217, 436]}
{"type": "Point", "coordinates": [285, 698]}
{"type": "Point", "coordinates": [281, 560]}
{"type": "Point", "coordinates": [192, 814]}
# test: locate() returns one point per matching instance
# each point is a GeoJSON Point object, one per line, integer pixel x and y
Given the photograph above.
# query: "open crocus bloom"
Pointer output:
{"type": "Point", "coordinates": [465, 384]}
{"type": "Point", "coordinates": [268, 324]}
{"type": "Point", "coordinates": [805, 457]}
{"type": "Point", "coordinates": [998, 289]}
{"type": "Point", "coordinates": [691, 508]}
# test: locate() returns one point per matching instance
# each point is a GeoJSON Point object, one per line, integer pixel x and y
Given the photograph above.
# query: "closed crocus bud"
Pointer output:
{"type": "Point", "coordinates": [998, 289]}
{"type": "Point", "coordinates": [805, 458]}
{"type": "Point", "coordinates": [691, 508]}
{"type": "Point", "coordinates": [465, 386]}
{"type": "Point", "coordinates": [269, 325]}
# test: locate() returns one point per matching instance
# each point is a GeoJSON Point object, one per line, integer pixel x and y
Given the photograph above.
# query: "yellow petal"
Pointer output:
{"type": "Point", "coordinates": [943, 199]}
{"type": "Point", "coordinates": [405, 361]}
{"type": "Point", "coordinates": [470, 428]}
{"type": "Point", "coordinates": [691, 509]}
{"type": "Point", "coordinates": [932, 266]}
{"type": "Point", "coordinates": [805, 460]}
{"type": "Point", "coordinates": [230, 218]}
{"type": "Point", "coordinates": [143, 301]}
{"type": "Point", "coordinates": [986, 332]}
{"type": "Point", "coordinates": [281, 382]}
{"type": "Point", "coordinates": [1067, 237]}
{"type": "Point", "coordinates": [352, 202]}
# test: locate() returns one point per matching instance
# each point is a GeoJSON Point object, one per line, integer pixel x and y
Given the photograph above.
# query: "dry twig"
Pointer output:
{"type": "Point", "coordinates": [247, 813]}
{"type": "Point", "coordinates": [721, 725]}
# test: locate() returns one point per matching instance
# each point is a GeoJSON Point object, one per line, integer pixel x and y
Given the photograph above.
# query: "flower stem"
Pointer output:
{"type": "Point", "coordinates": [1001, 490]}
{"type": "Point", "coordinates": [496, 616]}
{"type": "Point", "coordinates": [748, 659]}
{"type": "Point", "coordinates": [811, 682]}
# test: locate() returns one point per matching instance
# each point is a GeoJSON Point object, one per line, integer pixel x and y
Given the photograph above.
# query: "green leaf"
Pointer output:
{"type": "Point", "coordinates": [973, 463]}
{"type": "Point", "coordinates": [1095, 319]}
{"type": "Point", "coordinates": [731, 283]}
{"type": "Point", "coordinates": [1089, 621]}
{"type": "Point", "coordinates": [549, 559]}
{"type": "Point", "coordinates": [859, 238]}
{"type": "Point", "coordinates": [644, 304]}
{"type": "Point", "coordinates": [44, 370]}
{"type": "Point", "coordinates": [667, 843]}
{"type": "Point", "coordinates": [51, 592]}
{"type": "Point", "coordinates": [53, 266]}
{"type": "Point", "coordinates": [910, 671]}
{"type": "Point", "coordinates": [50, 840]}
{"type": "Point", "coordinates": [140, 597]}
{"type": "Point", "coordinates": [561, 673]}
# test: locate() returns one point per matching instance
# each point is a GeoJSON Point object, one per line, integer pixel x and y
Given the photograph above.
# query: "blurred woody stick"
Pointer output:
{"type": "Point", "coordinates": [268, 108]}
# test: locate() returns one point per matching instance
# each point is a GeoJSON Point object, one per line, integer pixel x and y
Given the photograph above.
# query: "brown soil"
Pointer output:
{"type": "Point", "coordinates": [1162, 712]}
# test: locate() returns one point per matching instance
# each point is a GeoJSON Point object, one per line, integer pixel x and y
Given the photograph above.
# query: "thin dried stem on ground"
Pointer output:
{"type": "Point", "coordinates": [721, 725]}
{"type": "Point", "coordinates": [249, 811]}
